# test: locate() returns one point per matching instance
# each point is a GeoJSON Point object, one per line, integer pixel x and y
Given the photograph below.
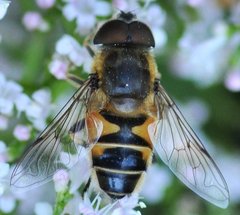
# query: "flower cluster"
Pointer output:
{"type": "Point", "coordinates": [206, 45]}
{"type": "Point", "coordinates": [85, 13]}
{"type": "Point", "coordinates": [36, 108]}
{"type": "Point", "coordinates": [69, 54]}
{"type": "Point", "coordinates": [232, 81]}
{"type": "Point", "coordinates": [33, 20]}
{"type": "Point", "coordinates": [203, 58]}
{"type": "Point", "coordinates": [10, 95]}
{"type": "Point", "coordinates": [45, 4]}
{"type": "Point", "coordinates": [14, 104]}
{"type": "Point", "coordinates": [7, 201]}
{"type": "Point", "coordinates": [124, 206]}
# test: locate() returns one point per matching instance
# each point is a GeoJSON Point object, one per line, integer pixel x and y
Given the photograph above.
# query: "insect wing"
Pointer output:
{"type": "Point", "coordinates": [66, 133]}
{"type": "Point", "coordinates": [179, 147]}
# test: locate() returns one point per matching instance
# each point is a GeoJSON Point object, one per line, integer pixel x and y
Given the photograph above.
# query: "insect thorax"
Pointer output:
{"type": "Point", "coordinates": [125, 76]}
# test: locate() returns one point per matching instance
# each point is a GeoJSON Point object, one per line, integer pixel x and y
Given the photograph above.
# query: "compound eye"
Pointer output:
{"type": "Point", "coordinates": [112, 32]}
{"type": "Point", "coordinates": [141, 34]}
{"type": "Point", "coordinates": [118, 32]}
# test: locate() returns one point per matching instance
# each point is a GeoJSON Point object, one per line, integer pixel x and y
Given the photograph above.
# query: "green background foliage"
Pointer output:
{"type": "Point", "coordinates": [25, 57]}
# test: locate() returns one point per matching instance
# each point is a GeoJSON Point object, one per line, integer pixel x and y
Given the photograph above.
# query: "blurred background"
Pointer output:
{"type": "Point", "coordinates": [197, 53]}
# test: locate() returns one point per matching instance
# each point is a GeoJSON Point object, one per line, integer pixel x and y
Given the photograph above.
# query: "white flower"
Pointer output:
{"type": "Point", "coordinates": [2, 188]}
{"type": "Point", "coordinates": [230, 165]}
{"type": "Point", "coordinates": [80, 168]}
{"type": "Point", "coordinates": [61, 179]}
{"type": "Point", "coordinates": [59, 67]}
{"type": "Point", "coordinates": [3, 122]}
{"type": "Point", "coordinates": [68, 46]}
{"type": "Point", "coordinates": [235, 13]}
{"type": "Point", "coordinates": [203, 61]}
{"type": "Point", "coordinates": [125, 5]}
{"type": "Point", "coordinates": [69, 53]}
{"type": "Point", "coordinates": [45, 4]}
{"type": "Point", "coordinates": [196, 112]}
{"type": "Point", "coordinates": [87, 61]}
{"type": "Point", "coordinates": [86, 207]}
{"type": "Point", "coordinates": [208, 11]}
{"type": "Point", "coordinates": [43, 208]}
{"type": "Point", "coordinates": [22, 103]}
{"type": "Point", "coordinates": [232, 81]}
{"type": "Point", "coordinates": [3, 8]}
{"type": "Point", "coordinates": [39, 108]}
{"type": "Point", "coordinates": [22, 132]}
{"type": "Point", "coordinates": [7, 203]}
{"type": "Point", "coordinates": [85, 13]}
{"type": "Point", "coordinates": [3, 152]}
{"type": "Point", "coordinates": [155, 17]}
{"type": "Point", "coordinates": [9, 95]}
{"type": "Point", "coordinates": [68, 160]}
{"type": "Point", "coordinates": [4, 169]}
{"type": "Point", "coordinates": [195, 3]}
{"type": "Point", "coordinates": [42, 97]}
{"type": "Point", "coordinates": [33, 21]}
{"type": "Point", "coordinates": [126, 205]}
{"type": "Point", "coordinates": [157, 180]}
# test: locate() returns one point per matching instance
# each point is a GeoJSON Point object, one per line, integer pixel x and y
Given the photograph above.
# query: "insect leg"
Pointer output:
{"type": "Point", "coordinates": [156, 85]}
{"type": "Point", "coordinates": [74, 80]}
{"type": "Point", "coordinates": [86, 186]}
{"type": "Point", "coordinates": [78, 82]}
{"type": "Point", "coordinates": [86, 43]}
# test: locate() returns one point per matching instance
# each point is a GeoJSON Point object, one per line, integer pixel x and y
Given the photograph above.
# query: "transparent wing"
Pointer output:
{"type": "Point", "coordinates": [65, 133]}
{"type": "Point", "coordinates": [179, 147]}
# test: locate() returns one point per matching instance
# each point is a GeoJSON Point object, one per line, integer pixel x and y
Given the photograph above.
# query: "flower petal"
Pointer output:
{"type": "Point", "coordinates": [102, 8]}
{"type": "Point", "coordinates": [3, 8]}
{"type": "Point", "coordinates": [43, 208]}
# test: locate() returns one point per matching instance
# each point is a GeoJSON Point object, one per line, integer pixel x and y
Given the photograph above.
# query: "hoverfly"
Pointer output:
{"type": "Point", "coordinates": [121, 114]}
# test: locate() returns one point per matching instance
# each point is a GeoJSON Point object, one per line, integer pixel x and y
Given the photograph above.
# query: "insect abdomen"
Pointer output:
{"type": "Point", "coordinates": [121, 157]}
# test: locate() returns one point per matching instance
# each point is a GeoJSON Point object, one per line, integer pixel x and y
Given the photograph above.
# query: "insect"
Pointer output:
{"type": "Point", "coordinates": [122, 115]}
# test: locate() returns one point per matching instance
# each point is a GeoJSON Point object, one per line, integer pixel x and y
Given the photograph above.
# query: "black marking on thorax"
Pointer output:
{"type": "Point", "coordinates": [126, 74]}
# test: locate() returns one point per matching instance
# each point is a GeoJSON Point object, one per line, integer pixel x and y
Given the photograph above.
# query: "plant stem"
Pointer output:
{"type": "Point", "coordinates": [61, 201]}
